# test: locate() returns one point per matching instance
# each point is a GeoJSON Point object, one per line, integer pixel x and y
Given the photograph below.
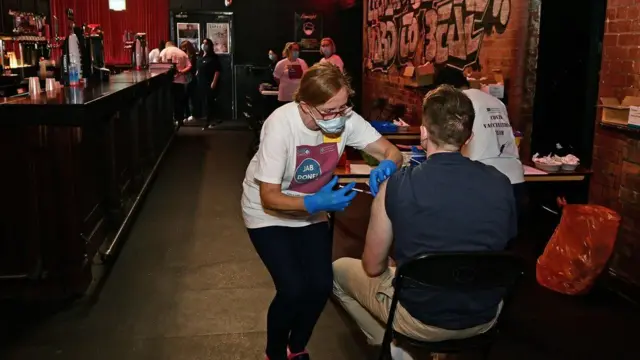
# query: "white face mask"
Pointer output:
{"type": "Point", "coordinates": [333, 126]}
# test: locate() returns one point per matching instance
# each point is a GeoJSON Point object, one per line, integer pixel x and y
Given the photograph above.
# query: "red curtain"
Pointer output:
{"type": "Point", "coordinates": [148, 16]}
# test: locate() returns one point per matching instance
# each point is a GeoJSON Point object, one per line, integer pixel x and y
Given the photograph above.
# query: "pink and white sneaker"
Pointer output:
{"type": "Point", "coordinates": [298, 356]}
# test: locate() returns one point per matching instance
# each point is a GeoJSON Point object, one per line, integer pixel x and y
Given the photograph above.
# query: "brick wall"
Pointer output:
{"type": "Point", "coordinates": [616, 163]}
{"type": "Point", "coordinates": [394, 37]}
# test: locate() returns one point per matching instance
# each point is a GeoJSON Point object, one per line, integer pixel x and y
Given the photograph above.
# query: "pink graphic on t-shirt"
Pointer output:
{"type": "Point", "coordinates": [314, 167]}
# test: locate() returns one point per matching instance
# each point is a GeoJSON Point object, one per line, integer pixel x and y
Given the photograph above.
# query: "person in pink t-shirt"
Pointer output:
{"type": "Point", "coordinates": [289, 71]}
{"type": "Point", "coordinates": [328, 51]}
{"type": "Point", "coordinates": [288, 190]}
{"type": "Point", "coordinates": [173, 54]}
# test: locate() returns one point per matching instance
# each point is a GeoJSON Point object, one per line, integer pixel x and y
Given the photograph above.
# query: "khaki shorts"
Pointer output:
{"type": "Point", "coordinates": [368, 301]}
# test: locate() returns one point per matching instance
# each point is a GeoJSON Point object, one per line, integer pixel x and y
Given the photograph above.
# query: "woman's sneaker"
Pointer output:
{"type": "Point", "coordinates": [298, 356]}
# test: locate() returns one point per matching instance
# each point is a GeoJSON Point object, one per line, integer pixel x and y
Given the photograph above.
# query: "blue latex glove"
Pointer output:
{"type": "Point", "coordinates": [329, 200]}
{"type": "Point", "coordinates": [385, 169]}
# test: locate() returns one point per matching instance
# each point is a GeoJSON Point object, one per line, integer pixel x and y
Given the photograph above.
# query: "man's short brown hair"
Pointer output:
{"type": "Point", "coordinates": [320, 83]}
{"type": "Point", "coordinates": [448, 115]}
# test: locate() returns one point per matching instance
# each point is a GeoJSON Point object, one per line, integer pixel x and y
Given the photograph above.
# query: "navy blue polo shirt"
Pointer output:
{"type": "Point", "coordinates": [448, 204]}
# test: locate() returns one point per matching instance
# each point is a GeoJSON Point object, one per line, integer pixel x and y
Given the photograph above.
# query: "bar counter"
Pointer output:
{"type": "Point", "coordinates": [75, 166]}
{"type": "Point", "coordinates": [75, 106]}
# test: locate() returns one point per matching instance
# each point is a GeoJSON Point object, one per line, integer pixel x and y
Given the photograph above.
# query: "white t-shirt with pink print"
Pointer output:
{"type": "Point", "coordinates": [300, 159]}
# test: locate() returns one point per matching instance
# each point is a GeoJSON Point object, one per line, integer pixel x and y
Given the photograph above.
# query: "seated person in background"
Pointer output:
{"type": "Point", "coordinates": [493, 142]}
{"type": "Point", "coordinates": [449, 203]}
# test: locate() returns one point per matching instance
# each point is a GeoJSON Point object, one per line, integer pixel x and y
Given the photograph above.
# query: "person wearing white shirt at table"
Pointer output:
{"type": "Point", "coordinates": [328, 51]}
{"type": "Point", "coordinates": [289, 71]}
{"type": "Point", "coordinates": [154, 55]}
{"type": "Point", "coordinates": [493, 142]}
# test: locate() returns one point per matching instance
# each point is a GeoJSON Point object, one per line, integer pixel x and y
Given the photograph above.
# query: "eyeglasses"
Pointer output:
{"type": "Point", "coordinates": [344, 110]}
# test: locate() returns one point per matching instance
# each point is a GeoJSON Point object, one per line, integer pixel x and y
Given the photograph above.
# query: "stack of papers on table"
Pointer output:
{"type": "Point", "coordinates": [364, 169]}
{"type": "Point", "coordinates": [528, 170]}
{"type": "Point", "coordinates": [360, 169]}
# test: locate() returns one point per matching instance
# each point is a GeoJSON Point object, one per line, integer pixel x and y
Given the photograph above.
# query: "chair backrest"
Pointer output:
{"type": "Point", "coordinates": [398, 111]}
{"type": "Point", "coordinates": [466, 271]}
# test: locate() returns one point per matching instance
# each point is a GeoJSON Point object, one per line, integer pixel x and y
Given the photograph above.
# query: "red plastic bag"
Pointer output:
{"type": "Point", "coordinates": [579, 249]}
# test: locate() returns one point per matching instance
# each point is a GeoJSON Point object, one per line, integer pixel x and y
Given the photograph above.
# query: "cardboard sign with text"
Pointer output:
{"type": "Point", "coordinates": [620, 113]}
{"type": "Point", "coordinates": [634, 116]}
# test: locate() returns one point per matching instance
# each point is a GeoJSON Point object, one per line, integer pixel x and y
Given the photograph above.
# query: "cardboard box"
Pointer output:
{"type": "Point", "coordinates": [425, 74]}
{"type": "Point", "coordinates": [620, 113]}
{"type": "Point", "coordinates": [477, 80]}
{"type": "Point", "coordinates": [408, 71]}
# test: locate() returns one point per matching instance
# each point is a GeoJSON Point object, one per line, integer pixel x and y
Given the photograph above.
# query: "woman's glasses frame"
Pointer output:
{"type": "Point", "coordinates": [330, 115]}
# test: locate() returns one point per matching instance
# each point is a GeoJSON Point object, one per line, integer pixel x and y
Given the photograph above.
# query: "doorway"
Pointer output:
{"type": "Point", "coordinates": [569, 60]}
{"type": "Point", "coordinates": [217, 26]}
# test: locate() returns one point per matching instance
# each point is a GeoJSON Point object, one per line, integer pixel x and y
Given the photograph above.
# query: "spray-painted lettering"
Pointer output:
{"type": "Point", "coordinates": [440, 31]}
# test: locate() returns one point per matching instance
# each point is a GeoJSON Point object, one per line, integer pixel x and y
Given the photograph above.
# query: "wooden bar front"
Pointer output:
{"type": "Point", "coordinates": [74, 164]}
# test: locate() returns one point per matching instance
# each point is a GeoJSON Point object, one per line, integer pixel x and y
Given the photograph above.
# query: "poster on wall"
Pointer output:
{"type": "Point", "coordinates": [219, 34]}
{"type": "Point", "coordinates": [189, 32]}
{"type": "Point", "coordinates": [443, 33]}
{"type": "Point", "coordinates": [308, 31]}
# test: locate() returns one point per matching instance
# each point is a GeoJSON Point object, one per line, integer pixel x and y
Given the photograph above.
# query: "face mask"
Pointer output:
{"type": "Point", "coordinates": [326, 51]}
{"type": "Point", "coordinates": [295, 54]}
{"type": "Point", "coordinates": [333, 126]}
{"type": "Point", "coordinates": [272, 57]}
{"type": "Point", "coordinates": [204, 47]}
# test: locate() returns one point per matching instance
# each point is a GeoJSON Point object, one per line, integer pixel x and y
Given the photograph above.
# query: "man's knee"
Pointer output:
{"type": "Point", "coordinates": [345, 264]}
{"type": "Point", "coordinates": [342, 268]}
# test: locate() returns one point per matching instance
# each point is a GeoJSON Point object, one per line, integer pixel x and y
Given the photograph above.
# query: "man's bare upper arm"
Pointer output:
{"type": "Point", "coordinates": [379, 236]}
{"type": "Point", "coordinates": [379, 221]}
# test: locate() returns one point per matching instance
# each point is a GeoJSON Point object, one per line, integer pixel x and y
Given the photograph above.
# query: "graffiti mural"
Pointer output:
{"type": "Point", "coordinates": [439, 31]}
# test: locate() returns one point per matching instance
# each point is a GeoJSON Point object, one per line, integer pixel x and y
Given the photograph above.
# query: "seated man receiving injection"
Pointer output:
{"type": "Point", "coordinates": [449, 203]}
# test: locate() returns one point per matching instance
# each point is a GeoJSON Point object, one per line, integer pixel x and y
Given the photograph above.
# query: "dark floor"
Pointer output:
{"type": "Point", "coordinates": [188, 285]}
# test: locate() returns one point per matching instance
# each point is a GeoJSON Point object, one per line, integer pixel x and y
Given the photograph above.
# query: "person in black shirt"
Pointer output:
{"type": "Point", "coordinates": [273, 60]}
{"type": "Point", "coordinates": [208, 75]}
{"type": "Point", "coordinates": [449, 203]}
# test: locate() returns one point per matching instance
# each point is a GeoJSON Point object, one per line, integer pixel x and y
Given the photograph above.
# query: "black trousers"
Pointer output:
{"type": "Point", "coordinates": [180, 101]}
{"type": "Point", "coordinates": [299, 261]}
{"type": "Point", "coordinates": [209, 98]}
{"type": "Point", "coordinates": [191, 101]}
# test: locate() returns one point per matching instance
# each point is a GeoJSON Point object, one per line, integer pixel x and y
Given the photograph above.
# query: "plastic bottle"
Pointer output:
{"type": "Point", "coordinates": [74, 75]}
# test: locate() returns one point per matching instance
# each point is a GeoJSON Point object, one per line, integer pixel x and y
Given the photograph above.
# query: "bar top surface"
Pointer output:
{"type": "Point", "coordinates": [71, 105]}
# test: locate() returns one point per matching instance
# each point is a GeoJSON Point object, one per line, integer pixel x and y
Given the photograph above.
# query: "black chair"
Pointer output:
{"type": "Point", "coordinates": [398, 111]}
{"type": "Point", "coordinates": [256, 127]}
{"type": "Point", "coordinates": [255, 124]}
{"type": "Point", "coordinates": [379, 104]}
{"type": "Point", "coordinates": [454, 271]}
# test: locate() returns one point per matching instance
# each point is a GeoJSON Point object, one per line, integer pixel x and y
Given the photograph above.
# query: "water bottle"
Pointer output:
{"type": "Point", "coordinates": [74, 74]}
